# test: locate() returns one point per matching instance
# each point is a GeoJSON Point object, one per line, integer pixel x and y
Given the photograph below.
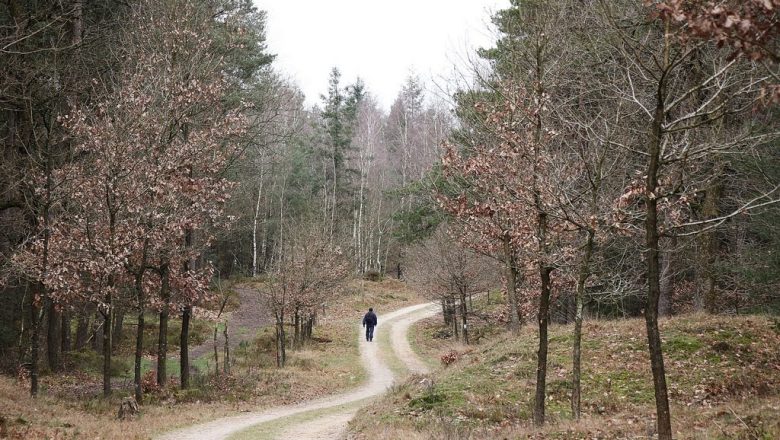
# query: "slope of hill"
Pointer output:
{"type": "Point", "coordinates": [723, 374]}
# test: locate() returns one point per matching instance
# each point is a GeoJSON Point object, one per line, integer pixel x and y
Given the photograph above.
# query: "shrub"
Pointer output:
{"type": "Point", "coordinates": [149, 382]}
{"type": "Point", "coordinates": [449, 358]}
{"type": "Point", "coordinates": [372, 275]}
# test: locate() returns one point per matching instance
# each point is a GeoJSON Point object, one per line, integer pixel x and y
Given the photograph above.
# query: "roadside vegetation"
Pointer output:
{"type": "Point", "coordinates": [70, 406]}
{"type": "Point", "coordinates": [724, 381]}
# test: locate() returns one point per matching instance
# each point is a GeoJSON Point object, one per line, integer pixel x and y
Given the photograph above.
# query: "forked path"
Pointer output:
{"type": "Point", "coordinates": [329, 415]}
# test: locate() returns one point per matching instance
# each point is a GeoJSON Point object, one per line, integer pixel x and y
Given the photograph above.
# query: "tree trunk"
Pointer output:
{"type": "Point", "coordinates": [705, 289]}
{"type": "Point", "coordinates": [333, 228]}
{"type": "Point", "coordinates": [652, 239]}
{"type": "Point", "coordinates": [184, 352]}
{"type": "Point", "coordinates": [139, 348]}
{"type": "Point", "coordinates": [454, 314]}
{"type": "Point", "coordinates": [445, 311]}
{"type": "Point", "coordinates": [264, 237]}
{"type": "Point", "coordinates": [297, 328]}
{"type": "Point", "coordinates": [584, 273]}
{"type": "Point", "coordinates": [254, 225]}
{"type": "Point", "coordinates": [226, 368]}
{"type": "Point", "coordinates": [279, 345]}
{"type": "Point", "coordinates": [40, 294]}
{"type": "Point", "coordinates": [379, 265]}
{"type": "Point", "coordinates": [34, 346]}
{"type": "Point", "coordinates": [162, 338]}
{"type": "Point", "coordinates": [666, 283]}
{"type": "Point", "coordinates": [107, 348]}
{"type": "Point", "coordinates": [82, 330]}
{"type": "Point", "coordinates": [281, 355]}
{"type": "Point", "coordinates": [541, 363]}
{"type": "Point", "coordinates": [464, 316]}
{"type": "Point", "coordinates": [116, 333]}
{"type": "Point", "coordinates": [77, 22]}
{"type": "Point", "coordinates": [543, 315]}
{"type": "Point", "coordinates": [66, 332]}
{"type": "Point", "coordinates": [53, 338]}
{"type": "Point", "coordinates": [139, 331]}
{"type": "Point", "coordinates": [97, 332]}
{"type": "Point", "coordinates": [216, 349]}
{"type": "Point", "coordinates": [359, 239]}
{"type": "Point", "coordinates": [186, 315]}
{"type": "Point", "coordinates": [511, 287]}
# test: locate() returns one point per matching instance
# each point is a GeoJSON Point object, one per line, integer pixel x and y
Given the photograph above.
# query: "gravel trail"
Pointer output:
{"type": "Point", "coordinates": [337, 409]}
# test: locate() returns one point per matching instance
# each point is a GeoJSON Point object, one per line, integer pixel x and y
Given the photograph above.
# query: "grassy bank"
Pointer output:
{"type": "Point", "coordinates": [723, 375]}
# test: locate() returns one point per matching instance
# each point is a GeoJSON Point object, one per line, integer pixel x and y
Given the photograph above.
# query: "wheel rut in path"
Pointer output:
{"type": "Point", "coordinates": [332, 413]}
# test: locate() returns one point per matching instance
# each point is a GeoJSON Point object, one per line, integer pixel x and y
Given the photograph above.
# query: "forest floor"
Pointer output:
{"type": "Point", "coordinates": [723, 375]}
{"type": "Point", "coordinates": [70, 406]}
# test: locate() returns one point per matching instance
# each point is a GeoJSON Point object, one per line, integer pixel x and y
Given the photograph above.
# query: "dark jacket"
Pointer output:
{"type": "Point", "coordinates": [370, 319]}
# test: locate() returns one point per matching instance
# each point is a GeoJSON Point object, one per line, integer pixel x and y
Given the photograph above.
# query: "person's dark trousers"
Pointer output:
{"type": "Point", "coordinates": [369, 333]}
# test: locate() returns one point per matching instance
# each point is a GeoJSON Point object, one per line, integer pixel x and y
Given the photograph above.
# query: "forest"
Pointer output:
{"type": "Point", "coordinates": [602, 161]}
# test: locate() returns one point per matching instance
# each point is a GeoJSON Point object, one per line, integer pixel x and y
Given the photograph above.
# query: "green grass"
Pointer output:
{"type": "Point", "coordinates": [272, 430]}
{"type": "Point", "coordinates": [387, 354]}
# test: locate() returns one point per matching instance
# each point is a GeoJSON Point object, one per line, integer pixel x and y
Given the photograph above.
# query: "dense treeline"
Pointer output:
{"type": "Point", "coordinates": [620, 158]}
{"type": "Point", "coordinates": [150, 147]}
{"type": "Point", "coordinates": [341, 165]}
{"type": "Point", "coordinates": [50, 53]}
{"type": "Point", "coordinates": [611, 159]}
{"type": "Point", "coordinates": [119, 123]}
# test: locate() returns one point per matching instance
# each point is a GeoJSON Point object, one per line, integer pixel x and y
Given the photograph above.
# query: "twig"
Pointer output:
{"type": "Point", "coordinates": [750, 430]}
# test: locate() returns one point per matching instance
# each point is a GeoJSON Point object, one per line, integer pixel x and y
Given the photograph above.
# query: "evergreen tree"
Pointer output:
{"type": "Point", "coordinates": [339, 118]}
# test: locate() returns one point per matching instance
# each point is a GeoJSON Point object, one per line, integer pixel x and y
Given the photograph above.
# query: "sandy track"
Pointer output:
{"type": "Point", "coordinates": [244, 322]}
{"type": "Point", "coordinates": [330, 425]}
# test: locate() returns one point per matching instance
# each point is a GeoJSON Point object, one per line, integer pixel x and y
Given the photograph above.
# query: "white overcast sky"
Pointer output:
{"type": "Point", "coordinates": [381, 41]}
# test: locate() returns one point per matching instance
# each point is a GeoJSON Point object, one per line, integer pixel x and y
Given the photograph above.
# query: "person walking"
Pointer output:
{"type": "Point", "coordinates": [369, 322]}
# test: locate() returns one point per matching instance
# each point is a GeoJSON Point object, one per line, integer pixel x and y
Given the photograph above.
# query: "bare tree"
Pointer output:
{"type": "Point", "coordinates": [678, 90]}
{"type": "Point", "coordinates": [452, 274]}
{"type": "Point", "coordinates": [308, 271]}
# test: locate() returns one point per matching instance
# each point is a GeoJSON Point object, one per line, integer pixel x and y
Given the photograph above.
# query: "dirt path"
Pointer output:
{"type": "Point", "coordinates": [243, 323]}
{"type": "Point", "coordinates": [327, 417]}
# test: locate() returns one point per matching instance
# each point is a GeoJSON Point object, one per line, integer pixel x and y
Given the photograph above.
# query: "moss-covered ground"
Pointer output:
{"type": "Point", "coordinates": [723, 374]}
